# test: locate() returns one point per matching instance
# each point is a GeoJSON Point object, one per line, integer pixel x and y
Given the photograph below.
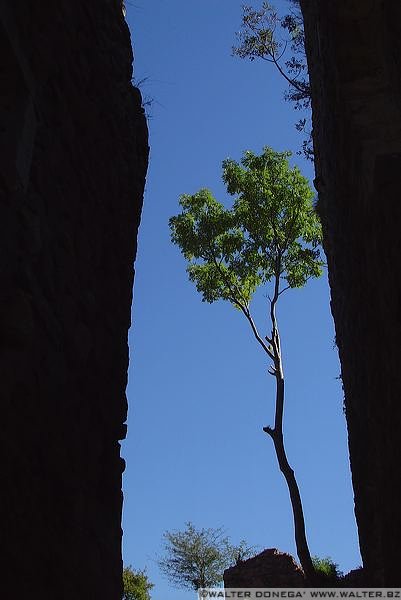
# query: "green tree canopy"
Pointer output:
{"type": "Point", "coordinates": [272, 227]}
{"type": "Point", "coordinates": [136, 584]}
{"type": "Point", "coordinates": [280, 40]}
{"type": "Point", "coordinates": [196, 558]}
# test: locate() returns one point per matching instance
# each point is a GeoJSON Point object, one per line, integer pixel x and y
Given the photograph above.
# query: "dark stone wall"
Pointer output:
{"type": "Point", "coordinates": [268, 569]}
{"type": "Point", "coordinates": [273, 569]}
{"type": "Point", "coordinates": [73, 146]}
{"type": "Point", "coordinates": [354, 56]}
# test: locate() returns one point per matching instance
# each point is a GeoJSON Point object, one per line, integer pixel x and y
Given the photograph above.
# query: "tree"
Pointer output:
{"type": "Point", "coordinates": [280, 41]}
{"type": "Point", "coordinates": [270, 236]}
{"type": "Point", "coordinates": [196, 558]}
{"type": "Point", "coordinates": [136, 584]}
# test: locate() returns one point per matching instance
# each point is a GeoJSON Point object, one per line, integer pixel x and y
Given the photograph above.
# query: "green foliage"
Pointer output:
{"type": "Point", "coordinates": [136, 584]}
{"type": "Point", "coordinates": [326, 568]}
{"type": "Point", "coordinates": [196, 558]}
{"type": "Point", "coordinates": [280, 40]}
{"type": "Point", "coordinates": [266, 35]}
{"type": "Point", "coordinates": [271, 232]}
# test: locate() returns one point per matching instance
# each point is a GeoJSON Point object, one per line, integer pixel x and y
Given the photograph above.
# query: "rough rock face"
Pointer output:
{"type": "Point", "coordinates": [354, 56]}
{"type": "Point", "coordinates": [74, 152]}
{"type": "Point", "coordinates": [270, 568]}
{"type": "Point", "coordinates": [354, 579]}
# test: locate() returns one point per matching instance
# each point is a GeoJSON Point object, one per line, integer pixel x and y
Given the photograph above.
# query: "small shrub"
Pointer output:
{"type": "Point", "coordinates": [327, 570]}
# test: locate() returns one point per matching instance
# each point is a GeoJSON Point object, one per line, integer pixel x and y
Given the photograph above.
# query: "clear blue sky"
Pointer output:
{"type": "Point", "coordinates": [198, 390]}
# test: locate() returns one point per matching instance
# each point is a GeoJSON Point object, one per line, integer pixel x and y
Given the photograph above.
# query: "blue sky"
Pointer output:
{"type": "Point", "coordinates": [198, 390]}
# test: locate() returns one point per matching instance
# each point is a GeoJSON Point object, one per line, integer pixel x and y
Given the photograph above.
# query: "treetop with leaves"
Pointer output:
{"type": "Point", "coordinates": [136, 584]}
{"type": "Point", "coordinates": [196, 558]}
{"type": "Point", "coordinates": [280, 40]}
{"type": "Point", "coordinates": [259, 38]}
{"type": "Point", "coordinates": [272, 229]}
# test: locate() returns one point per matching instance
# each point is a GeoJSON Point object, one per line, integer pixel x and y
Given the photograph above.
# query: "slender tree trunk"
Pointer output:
{"type": "Point", "coordinates": [299, 522]}
{"type": "Point", "coordinates": [273, 350]}
{"type": "Point", "coordinates": [276, 434]}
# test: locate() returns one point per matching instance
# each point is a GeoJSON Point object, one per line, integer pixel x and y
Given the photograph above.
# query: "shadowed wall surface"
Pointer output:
{"type": "Point", "coordinates": [268, 569]}
{"type": "Point", "coordinates": [354, 56]}
{"type": "Point", "coordinates": [73, 145]}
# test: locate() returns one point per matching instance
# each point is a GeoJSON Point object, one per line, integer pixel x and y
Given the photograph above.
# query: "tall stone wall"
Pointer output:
{"type": "Point", "coordinates": [354, 56]}
{"type": "Point", "coordinates": [73, 146]}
